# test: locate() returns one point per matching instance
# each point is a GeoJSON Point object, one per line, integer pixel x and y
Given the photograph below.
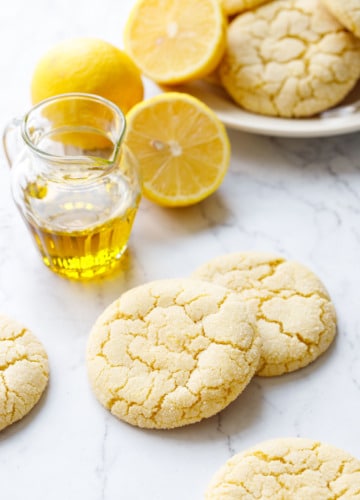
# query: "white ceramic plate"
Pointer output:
{"type": "Point", "coordinates": [340, 120]}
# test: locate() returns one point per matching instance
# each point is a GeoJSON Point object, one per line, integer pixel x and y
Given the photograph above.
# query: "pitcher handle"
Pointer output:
{"type": "Point", "coordinates": [11, 127]}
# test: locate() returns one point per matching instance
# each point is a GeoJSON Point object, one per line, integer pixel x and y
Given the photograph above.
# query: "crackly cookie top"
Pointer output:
{"type": "Point", "coordinates": [172, 352]}
{"type": "Point", "coordinates": [288, 469]}
{"type": "Point", "coordinates": [295, 316]}
{"type": "Point", "coordinates": [24, 371]}
{"type": "Point", "coordinates": [289, 58]}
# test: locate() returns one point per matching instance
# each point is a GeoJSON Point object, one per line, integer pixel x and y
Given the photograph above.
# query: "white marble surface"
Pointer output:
{"type": "Point", "coordinates": [300, 198]}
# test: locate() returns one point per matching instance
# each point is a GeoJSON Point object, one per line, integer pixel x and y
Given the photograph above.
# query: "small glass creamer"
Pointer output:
{"type": "Point", "coordinates": [75, 182]}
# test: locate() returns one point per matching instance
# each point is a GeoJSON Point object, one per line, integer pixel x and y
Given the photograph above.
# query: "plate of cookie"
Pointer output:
{"type": "Point", "coordinates": [339, 120]}
{"type": "Point", "coordinates": [291, 68]}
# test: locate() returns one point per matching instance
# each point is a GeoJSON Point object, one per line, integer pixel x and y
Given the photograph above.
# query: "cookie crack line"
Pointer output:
{"type": "Point", "coordinates": [340, 471]}
{"type": "Point", "coordinates": [15, 336]}
{"type": "Point", "coordinates": [264, 61]}
{"type": "Point", "coordinates": [7, 365]}
{"type": "Point", "coordinates": [161, 401]}
{"type": "Point", "coordinates": [194, 355]}
{"type": "Point", "coordinates": [289, 467]}
{"type": "Point", "coordinates": [282, 331]}
{"type": "Point", "coordinates": [17, 394]}
{"type": "Point", "coordinates": [217, 341]}
{"type": "Point", "coordinates": [273, 292]}
{"type": "Point", "coordinates": [172, 375]}
{"type": "Point", "coordinates": [9, 416]}
{"type": "Point", "coordinates": [120, 315]}
{"type": "Point", "coordinates": [296, 293]}
{"type": "Point", "coordinates": [281, 293]}
{"type": "Point", "coordinates": [274, 264]}
{"type": "Point", "coordinates": [184, 347]}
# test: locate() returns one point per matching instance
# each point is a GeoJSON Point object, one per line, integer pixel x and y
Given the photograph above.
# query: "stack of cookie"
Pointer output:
{"type": "Point", "coordinates": [172, 352]}
{"type": "Point", "coordinates": [291, 58]}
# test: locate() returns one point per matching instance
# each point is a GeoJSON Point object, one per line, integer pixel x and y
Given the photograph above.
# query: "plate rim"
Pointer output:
{"type": "Point", "coordinates": [211, 93]}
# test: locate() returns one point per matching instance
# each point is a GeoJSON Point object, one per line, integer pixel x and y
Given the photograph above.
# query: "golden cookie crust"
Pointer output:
{"type": "Point", "coordinates": [347, 13]}
{"type": "Point", "coordinates": [296, 318]}
{"type": "Point", "coordinates": [24, 371]}
{"type": "Point", "coordinates": [288, 469]}
{"type": "Point", "coordinates": [232, 7]}
{"type": "Point", "coordinates": [289, 58]}
{"type": "Point", "coordinates": [172, 352]}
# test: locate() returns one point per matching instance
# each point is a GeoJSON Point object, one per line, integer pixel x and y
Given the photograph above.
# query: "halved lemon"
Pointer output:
{"type": "Point", "coordinates": [173, 41]}
{"type": "Point", "coordinates": [182, 148]}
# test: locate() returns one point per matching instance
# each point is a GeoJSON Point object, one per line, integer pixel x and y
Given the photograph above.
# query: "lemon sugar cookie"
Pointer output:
{"type": "Point", "coordinates": [296, 318]}
{"type": "Point", "coordinates": [288, 469]}
{"type": "Point", "coordinates": [172, 352]}
{"type": "Point", "coordinates": [24, 371]}
{"type": "Point", "coordinates": [289, 58]}
{"type": "Point", "coordinates": [347, 13]}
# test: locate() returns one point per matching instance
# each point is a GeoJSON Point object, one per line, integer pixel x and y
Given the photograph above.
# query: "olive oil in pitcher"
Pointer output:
{"type": "Point", "coordinates": [81, 239]}
{"type": "Point", "coordinates": [75, 182]}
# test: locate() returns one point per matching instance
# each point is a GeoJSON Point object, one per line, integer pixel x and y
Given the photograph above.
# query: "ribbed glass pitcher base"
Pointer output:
{"type": "Point", "coordinates": [82, 255]}
{"type": "Point", "coordinates": [85, 268]}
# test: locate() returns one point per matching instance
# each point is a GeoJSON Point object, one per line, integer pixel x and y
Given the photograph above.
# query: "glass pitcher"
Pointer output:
{"type": "Point", "coordinates": [75, 183]}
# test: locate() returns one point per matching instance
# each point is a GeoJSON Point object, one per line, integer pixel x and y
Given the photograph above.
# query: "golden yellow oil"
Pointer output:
{"type": "Point", "coordinates": [78, 203]}
{"type": "Point", "coordinates": [81, 233]}
{"type": "Point", "coordinates": [87, 253]}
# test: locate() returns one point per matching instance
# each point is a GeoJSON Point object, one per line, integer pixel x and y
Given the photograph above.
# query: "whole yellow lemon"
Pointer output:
{"type": "Point", "coordinates": [88, 65]}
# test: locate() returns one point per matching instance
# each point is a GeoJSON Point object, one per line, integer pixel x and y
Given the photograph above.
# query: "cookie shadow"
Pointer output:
{"type": "Point", "coordinates": [318, 366]}
{"type": "Point", "coordinates": [25, 422]}
{"type": "Point", "coordinates": [104, 288]}
{"type": "Point", "coordinates": [182, 223]}
{"type": "Point", "coordinates": [248, 409]}
{"type": "Point", "coordinates": [238, 415]}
